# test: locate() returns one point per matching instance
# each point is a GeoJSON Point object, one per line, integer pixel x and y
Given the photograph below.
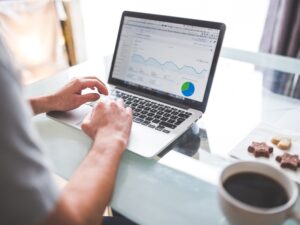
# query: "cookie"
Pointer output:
{"type": "Point", "coordinates": [260, 149]}
{"type": "Point", "coordinates": [275, 140]}
{"type": "Point", "coordinates": [289, 161]}
{"type": "Point", "coordinates": [283, 143]}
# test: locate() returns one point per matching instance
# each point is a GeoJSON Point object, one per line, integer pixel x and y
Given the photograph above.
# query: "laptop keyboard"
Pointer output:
{"type": "Point", "coordinates": [152, 114]}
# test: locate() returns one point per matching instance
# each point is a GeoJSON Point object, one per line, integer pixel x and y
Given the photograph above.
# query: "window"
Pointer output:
{"type": "Point", "coordinates": [244, 19]}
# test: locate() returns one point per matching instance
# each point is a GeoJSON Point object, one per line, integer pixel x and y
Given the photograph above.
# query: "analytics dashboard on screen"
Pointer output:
{"type": "Point", "coordinates": [170, 58]}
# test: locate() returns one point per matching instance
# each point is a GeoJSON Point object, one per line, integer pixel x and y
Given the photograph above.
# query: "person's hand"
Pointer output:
{"type": "Point", "coordinates": [109, 123]}
{"type": "Point", "coordinates": [109, 126]}
{"type": "Point", "coordinates": [70, 96]}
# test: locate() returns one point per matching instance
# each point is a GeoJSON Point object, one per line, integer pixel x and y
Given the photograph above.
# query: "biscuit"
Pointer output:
{"type": "Point", "coordinates": [275, 140]}
{"type": "Point", "coordinates": [289, 161]}
{"type": "Point", "coordinates": [283, 143]}
{"type": "Point", "coordinates": [260, 149]}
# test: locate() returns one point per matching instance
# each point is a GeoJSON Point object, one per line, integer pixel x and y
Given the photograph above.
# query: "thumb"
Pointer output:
{"type": "Point", "coordinates": [88, 97]}
{"type": "Point", "coordinates": [86, 122]}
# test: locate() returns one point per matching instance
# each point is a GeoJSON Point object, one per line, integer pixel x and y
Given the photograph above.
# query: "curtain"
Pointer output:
{"type": "Point", "coordinates": [282, 36]}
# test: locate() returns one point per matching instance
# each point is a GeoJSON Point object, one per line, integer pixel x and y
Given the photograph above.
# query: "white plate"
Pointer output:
{"type": "Point", "coordinates": [264, 133]}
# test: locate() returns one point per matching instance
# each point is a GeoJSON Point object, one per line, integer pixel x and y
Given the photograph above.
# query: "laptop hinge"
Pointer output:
{"type": "Point", "coordinates": [154, 98]}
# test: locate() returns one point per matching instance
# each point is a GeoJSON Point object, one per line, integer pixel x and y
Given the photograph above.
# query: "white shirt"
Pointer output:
{"type": "Point", "coordinates": [27, 191]}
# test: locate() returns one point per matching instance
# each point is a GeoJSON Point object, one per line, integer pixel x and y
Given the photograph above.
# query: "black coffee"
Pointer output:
{"type": "Point", "coordinates": [256, 190]}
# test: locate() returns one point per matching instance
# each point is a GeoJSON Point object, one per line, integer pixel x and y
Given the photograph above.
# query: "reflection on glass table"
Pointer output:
{"type": "Point", "coordinates": [239, 103]}
{"type": "Point", "coordinates": [189, 142]}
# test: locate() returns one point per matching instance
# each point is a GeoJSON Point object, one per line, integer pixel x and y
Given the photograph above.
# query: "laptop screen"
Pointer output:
{"type": "Point", "coordinates": [167, 58]}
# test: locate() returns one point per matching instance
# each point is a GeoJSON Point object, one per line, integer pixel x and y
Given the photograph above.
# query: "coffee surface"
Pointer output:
{"type": "Point", "coordinates": [256, 190]}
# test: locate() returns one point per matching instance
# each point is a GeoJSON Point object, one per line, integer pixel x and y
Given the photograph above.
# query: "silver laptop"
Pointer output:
{"type": "Point", "coordinates": [163, 69]}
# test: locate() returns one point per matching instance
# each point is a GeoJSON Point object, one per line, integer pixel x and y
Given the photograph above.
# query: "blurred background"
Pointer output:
{"type": "Point", "coordinates": [46, 36]}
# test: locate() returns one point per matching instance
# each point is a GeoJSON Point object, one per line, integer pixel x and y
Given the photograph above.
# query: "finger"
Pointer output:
{"type": "Point", "coordinates": [94, 78]}
{"type": "Point", "coordinates": [90, 97]}
{"type": "Point", "coordinates": [120, 102]}
{"type": "Point", "coordinates": [87, 118]}
{"type": "Point", "coordinates": [92, 83]}
{"type": "Point", "coordinates": [100, 105]}
{"type": "Point", "coordinates": [129, 111]}
{"type": "Point", "coordinates": [113, 104]}
{"type": "Point", "coordinates": [86, 121]}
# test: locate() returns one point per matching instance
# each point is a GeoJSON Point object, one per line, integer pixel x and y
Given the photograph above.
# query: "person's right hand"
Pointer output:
{"type": "Point", "coordinates": [109, 123]}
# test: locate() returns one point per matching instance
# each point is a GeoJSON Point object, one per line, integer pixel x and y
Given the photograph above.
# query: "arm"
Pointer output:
{"type": "Point", "coordinates": [87, 194]}
{"type": "Point", "coordinates": [69, 97]}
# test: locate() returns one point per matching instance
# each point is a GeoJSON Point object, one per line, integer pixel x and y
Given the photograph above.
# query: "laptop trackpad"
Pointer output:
{"type": "Point", "coordinates": [72, 117]}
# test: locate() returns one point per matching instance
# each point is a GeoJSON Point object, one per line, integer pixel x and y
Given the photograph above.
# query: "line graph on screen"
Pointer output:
{"type": "Point", "coordinates": [167, 65]}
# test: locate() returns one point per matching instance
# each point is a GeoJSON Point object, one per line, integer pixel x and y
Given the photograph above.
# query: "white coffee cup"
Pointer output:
{"type": "Point", "coordinates": [240, 213]}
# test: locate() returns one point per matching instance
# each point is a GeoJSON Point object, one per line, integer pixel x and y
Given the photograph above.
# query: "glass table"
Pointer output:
{"type": "Point", "coordinates": [179, 185]}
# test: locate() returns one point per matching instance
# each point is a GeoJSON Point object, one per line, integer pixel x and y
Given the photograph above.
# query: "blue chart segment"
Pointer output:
{"type": "Point", "coordinates": [168, 65]}
{"type": "Point", "coordinates": [187, 89]}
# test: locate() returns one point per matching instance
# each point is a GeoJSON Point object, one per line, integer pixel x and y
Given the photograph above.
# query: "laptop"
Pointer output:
{"type": "Point", "coordinates": [163, 69]}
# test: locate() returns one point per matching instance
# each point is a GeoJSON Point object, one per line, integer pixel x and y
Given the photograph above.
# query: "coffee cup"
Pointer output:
{"type": "Point", "coordinates": [254, 193]}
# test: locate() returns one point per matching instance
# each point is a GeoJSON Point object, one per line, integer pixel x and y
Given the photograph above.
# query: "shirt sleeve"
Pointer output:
{"type": "Point", "coordinates": [27, 191]}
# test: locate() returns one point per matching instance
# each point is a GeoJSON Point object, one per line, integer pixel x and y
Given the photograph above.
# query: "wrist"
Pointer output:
{"type": "Point", "coordinates": [42, 104]}
{"type": "Point", "coordinates": [110, 142]}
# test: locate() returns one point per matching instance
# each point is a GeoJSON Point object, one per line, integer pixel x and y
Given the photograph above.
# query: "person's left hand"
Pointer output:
{"type": "Point", "coordinates": [70, 96]}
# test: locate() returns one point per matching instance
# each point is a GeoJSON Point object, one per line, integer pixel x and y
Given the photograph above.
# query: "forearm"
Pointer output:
{"type": "Point", "coordinates": [41, 104]}
{"type": "Point", "coordinates": [91, 188]}
{"type": "Point", "coordinates": [89, 191]}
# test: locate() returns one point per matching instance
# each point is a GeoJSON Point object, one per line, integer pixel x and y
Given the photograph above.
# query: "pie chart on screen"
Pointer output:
{"type": "Point", "coordinates": [187, 89]}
